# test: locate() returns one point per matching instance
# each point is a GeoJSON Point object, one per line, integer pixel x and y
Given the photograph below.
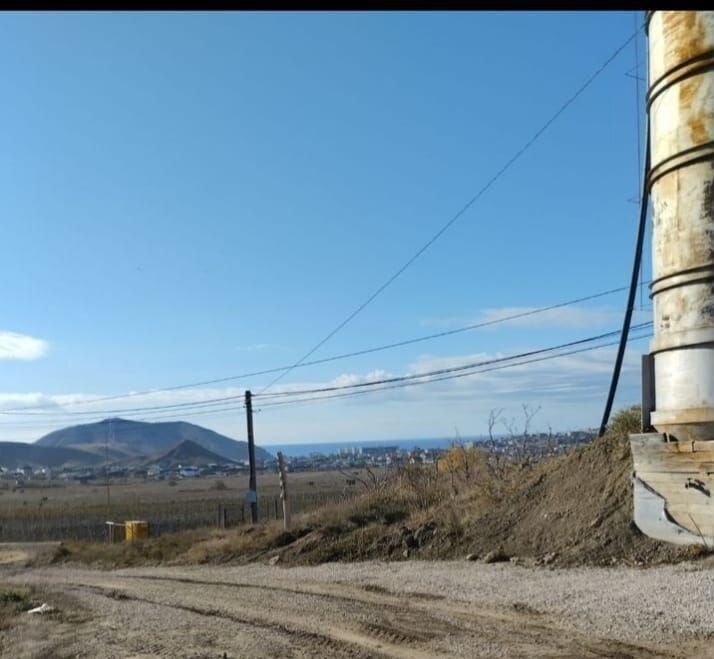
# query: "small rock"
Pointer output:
{"type": "Point", "coordinates": [495, 556]}
{"type": "Point", "coordinates": [274, 560]}
{"type": "Point", "coordinates": [472, 557]}
{"type": "Point", "coordinates": [549, 558]}
{"type": "Point", "coordinates": [405, 553]}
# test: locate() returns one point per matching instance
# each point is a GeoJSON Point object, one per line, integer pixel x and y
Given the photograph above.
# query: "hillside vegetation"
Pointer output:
{"type": "Point", "coordinates": [568, 510]}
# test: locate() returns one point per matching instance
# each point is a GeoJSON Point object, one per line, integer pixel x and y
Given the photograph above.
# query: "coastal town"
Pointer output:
{"type": "Point", "coordinates": [535, 445]}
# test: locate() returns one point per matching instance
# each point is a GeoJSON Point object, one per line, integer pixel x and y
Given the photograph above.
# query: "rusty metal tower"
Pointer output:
{"type": "Point", "coordinates": [674, 455]}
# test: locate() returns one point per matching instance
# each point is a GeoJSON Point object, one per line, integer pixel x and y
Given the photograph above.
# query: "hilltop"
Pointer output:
{"type": "Point", "coordinates": [131, 439]}
{"type": "Point", "coordinates": [188, 453]}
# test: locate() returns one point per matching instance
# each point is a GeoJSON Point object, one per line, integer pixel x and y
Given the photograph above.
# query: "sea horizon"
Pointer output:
{"type": "Point", "coordinates": [303, 449]}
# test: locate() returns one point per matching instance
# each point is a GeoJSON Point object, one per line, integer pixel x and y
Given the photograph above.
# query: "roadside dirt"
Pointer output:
{"type": "Point", "coordinates": [406, 610]}
{"type": "Point", "coordinates": [570, 510]}
{"type": "Point", "coordinates": [576, 510]}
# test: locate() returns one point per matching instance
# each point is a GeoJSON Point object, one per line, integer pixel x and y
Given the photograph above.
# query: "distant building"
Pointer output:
{"type": "Point", "coordinates": [379, 451]}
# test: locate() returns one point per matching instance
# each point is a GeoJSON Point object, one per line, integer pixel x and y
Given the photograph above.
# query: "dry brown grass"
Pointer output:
{"type": "Point", "coordinates": [368, 525]}
{"type": "Point", "coordinates": [13, 602]}
{"type": "Point", "coordinates": [575, 508]}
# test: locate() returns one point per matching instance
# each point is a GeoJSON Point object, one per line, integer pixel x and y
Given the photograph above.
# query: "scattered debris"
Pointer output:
{"type": "Point", "coordinates": [43, 608]}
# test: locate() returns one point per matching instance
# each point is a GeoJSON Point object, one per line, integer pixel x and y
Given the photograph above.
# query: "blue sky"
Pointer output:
{"type": "Point", "coordinates": [189, 196]}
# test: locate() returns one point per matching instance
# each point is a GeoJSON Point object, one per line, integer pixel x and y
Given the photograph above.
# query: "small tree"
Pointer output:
{"type": "Point", "coordinates": [519, 439]}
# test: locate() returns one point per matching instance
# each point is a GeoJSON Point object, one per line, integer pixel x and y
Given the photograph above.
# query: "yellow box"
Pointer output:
{"type": "Point", "coordinates": [136, 530]}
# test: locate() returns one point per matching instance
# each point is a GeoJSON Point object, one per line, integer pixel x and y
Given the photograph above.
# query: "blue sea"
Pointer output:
{"type": "Point", "coordinates": [326, 448]}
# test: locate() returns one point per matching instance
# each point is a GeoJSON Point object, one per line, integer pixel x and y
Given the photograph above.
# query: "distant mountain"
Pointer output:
{"type": "Point", "coordinates": [188, 453]}
{"type": "Point", "coordinates": [138, 438]}
{"type": "Point", "coordinates": [17, 454]}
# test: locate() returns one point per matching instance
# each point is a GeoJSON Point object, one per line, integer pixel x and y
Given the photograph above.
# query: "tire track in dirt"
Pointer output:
{"type": "Point", "coordinates": [350, 619]}
{"type": "Point", "coordinates": [335, 641]}
{"type": "Point", "coordinates": [525, 623]}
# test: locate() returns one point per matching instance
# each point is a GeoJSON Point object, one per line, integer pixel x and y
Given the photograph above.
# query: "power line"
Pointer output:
{"type": "Point", "coordinates": [477, 368]}
{"type": "Point", "coordinates": [452, 369]}
{"type": "Point", "coordinates": [356, 353]}
{"type": "Point", "coordinates": [215, 404]}
{"type": "Point", "coordinates": [429, 381]}
{"type": "Point", "coordinates": [632, 293]}
{"type": "Point", "coordinates": [459, 213]}
{"type": "Point", "coordinates": [453, 376]}
{"type": "Point", "coordinates": [639, 138]}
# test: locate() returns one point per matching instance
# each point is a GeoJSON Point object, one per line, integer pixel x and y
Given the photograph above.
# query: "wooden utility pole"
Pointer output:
{"type": "Point", "coordinates": [284, 492]}
{"type": "Point", "coordinates": [106, 465]}
{"type": "Point", "coordinates": [252, 486]}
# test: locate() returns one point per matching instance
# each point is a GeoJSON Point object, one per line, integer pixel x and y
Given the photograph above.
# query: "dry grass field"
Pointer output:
{"type": "Point", "coordinates": [72, 511]}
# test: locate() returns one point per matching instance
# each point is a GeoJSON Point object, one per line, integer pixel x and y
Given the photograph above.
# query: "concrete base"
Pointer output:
{"type": "Point", "coordinates": [673, 487]}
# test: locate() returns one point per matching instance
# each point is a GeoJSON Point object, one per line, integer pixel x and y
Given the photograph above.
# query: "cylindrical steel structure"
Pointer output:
{"type": "Point", "coordinates": [680, 103]}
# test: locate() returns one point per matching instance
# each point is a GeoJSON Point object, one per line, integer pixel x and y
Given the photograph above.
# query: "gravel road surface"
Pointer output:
{"type": "Point", "coordinates": [413, 609]}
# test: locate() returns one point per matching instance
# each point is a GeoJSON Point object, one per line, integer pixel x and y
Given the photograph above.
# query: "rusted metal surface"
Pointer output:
{"type": "Point", "coordinates": [681, 107]}
{"type": "Point", "coordinates": [674, 468]}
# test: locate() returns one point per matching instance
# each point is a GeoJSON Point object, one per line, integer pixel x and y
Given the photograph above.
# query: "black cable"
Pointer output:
{"type": "Point", "coordinates": [324, 360]}
{"type": "Point", "coordinates": [451, 377]}
{"type": "Point", "coordinates": [633, 285]}
{"type": "Point", "coordinates": [453, 369]}
{"type": "Point", "coordinates": [231, 408]}
{"type": "Point", "coordinates": [455, 217]}
{"type": "Point", "coordinates": [639, 139]}
{"type": "Point", "coordinates": [414, 383]}
{"type": "Point", "coordinates": [225, 399]}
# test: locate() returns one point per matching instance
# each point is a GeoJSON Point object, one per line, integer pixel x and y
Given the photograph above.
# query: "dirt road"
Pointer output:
{"type": "Point", "coordinates": [408, 609]}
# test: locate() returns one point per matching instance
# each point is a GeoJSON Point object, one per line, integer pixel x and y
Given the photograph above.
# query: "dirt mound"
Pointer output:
{"type": "Point", "coordinates": [576, 509]}
{"type": "Point", "coordinates": [569, 510]}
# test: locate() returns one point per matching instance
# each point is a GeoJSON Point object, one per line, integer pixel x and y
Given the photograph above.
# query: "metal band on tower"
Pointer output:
{"type": "Point", "coordinates": [680, 103]}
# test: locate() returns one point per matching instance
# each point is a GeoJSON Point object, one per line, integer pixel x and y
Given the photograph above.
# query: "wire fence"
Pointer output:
{"type": "Point", "coordinates": [87, 523]}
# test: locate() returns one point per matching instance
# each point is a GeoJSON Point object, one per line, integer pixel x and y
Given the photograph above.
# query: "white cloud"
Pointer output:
{"type": "Point", "coordinates": [570, 389]}
{"type": "Point", "coordinates": [21, 346]}
{"type": "Point", "coordinates": [22, 401]}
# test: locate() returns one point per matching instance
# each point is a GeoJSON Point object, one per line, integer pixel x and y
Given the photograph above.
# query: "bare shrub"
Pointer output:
{"type": "Point", "coordinates": [372, 482]}
{"type": "Point", "coordinates": [420, 484]}
{"type": "Point", "coordinates": [519, 438]}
